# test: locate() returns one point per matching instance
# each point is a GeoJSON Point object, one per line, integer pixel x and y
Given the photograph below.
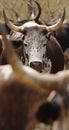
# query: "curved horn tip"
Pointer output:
{"type": "Point", "coordinates": [4, 14]}
{"type": "Point", "coordinates": [64, 12]}
{"type": "Point", "coordinates": [39, 10]}
{"type": "Point", "coordinates": [38, 5]}
{"type": "Point", "coordinates": [58, 24]}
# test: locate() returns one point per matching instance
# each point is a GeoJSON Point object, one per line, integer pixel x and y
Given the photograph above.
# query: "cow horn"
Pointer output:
{"type": "Point", "coordinates": [39, 11]}
{"type": "Point", "coordinates": [32, 10]}
{"type": "Point", "coordinates": [58, 24]}
{"type": "Point", "coordinates": [10, 24]}
{"type": "Point", "coordinates": [33, 16]}
{"type": "Point", "coordinates": [14, 27]}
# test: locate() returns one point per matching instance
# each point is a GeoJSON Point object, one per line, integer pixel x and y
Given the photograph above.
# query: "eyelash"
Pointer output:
{"type": "Point", "coordinates": [25, 45]}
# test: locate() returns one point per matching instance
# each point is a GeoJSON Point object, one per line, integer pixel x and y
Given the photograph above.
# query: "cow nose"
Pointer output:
{"type": "Point", "coordinates": [36, 65]}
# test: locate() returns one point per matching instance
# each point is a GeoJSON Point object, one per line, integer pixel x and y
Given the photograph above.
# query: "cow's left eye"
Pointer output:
{"type": "Point", "coordinates": [44, 31]}
{"type": "Point", "coordinates": [25, 44]}
{"type": "Point", "coordinates": [44, 44]}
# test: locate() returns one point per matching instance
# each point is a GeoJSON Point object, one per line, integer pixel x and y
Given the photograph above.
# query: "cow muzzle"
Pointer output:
{"type": "Point", "coordinates": [36, 65]}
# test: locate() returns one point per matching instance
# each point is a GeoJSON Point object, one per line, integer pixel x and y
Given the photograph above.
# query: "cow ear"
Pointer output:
{"type": "Point", "coordinates": [55, 54]}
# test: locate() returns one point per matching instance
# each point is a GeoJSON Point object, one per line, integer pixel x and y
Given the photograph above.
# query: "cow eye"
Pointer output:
{"type": "Point", "coordinates": [23, 38]}
{"type": "Point", "coordinates": [44, 31]}
{"type": "Point", "coordinates": [44, 44]}
{"type": "Point", "coordinates": [25, 44]}
{"type": "Point", "coordinates": [24, 32]}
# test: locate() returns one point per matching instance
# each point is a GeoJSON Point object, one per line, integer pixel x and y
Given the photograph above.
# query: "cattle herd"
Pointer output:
{"type": "Point", "coordinates": [34, 78]}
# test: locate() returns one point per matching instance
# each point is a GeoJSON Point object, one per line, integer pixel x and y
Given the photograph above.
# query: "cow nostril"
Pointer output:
{"type": "Point", "coordinates": [32, 64]}
{"type": "Point", "coordinates": [36, 65]}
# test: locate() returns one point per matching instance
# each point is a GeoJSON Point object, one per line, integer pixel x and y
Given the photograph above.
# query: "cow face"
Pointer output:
{"type": "Point", "coordinates": [34, 42]}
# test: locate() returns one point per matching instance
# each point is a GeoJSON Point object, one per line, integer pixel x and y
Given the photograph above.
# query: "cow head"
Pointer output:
{"type": "Point", "coordinates": [35, 38]}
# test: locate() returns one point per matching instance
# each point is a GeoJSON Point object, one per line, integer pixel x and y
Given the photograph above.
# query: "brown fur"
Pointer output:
{"type": "Point", "coordinates": [18, 105]}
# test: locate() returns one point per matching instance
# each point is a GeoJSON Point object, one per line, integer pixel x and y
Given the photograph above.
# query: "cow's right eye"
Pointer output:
{"type": "Point", "coordinates": [44, 31]}
{"type": "Point", "coordinates": [23, 38]}
{"type": "Point", "coordinates": [25, 44]}
{"type": "Point", "coordinates": [24, 32]}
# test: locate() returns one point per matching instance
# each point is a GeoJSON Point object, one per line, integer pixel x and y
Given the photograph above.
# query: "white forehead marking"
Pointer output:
{"type": "Point", "coordinates": [32, 24]}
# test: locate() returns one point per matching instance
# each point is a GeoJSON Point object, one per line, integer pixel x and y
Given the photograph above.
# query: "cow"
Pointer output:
{"type": "Point", "coordinates": [61, 34]}
{"type": "Point", "coordinates": [24, 92]}
{"type": "Point", "coordinates": [40, 48]}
